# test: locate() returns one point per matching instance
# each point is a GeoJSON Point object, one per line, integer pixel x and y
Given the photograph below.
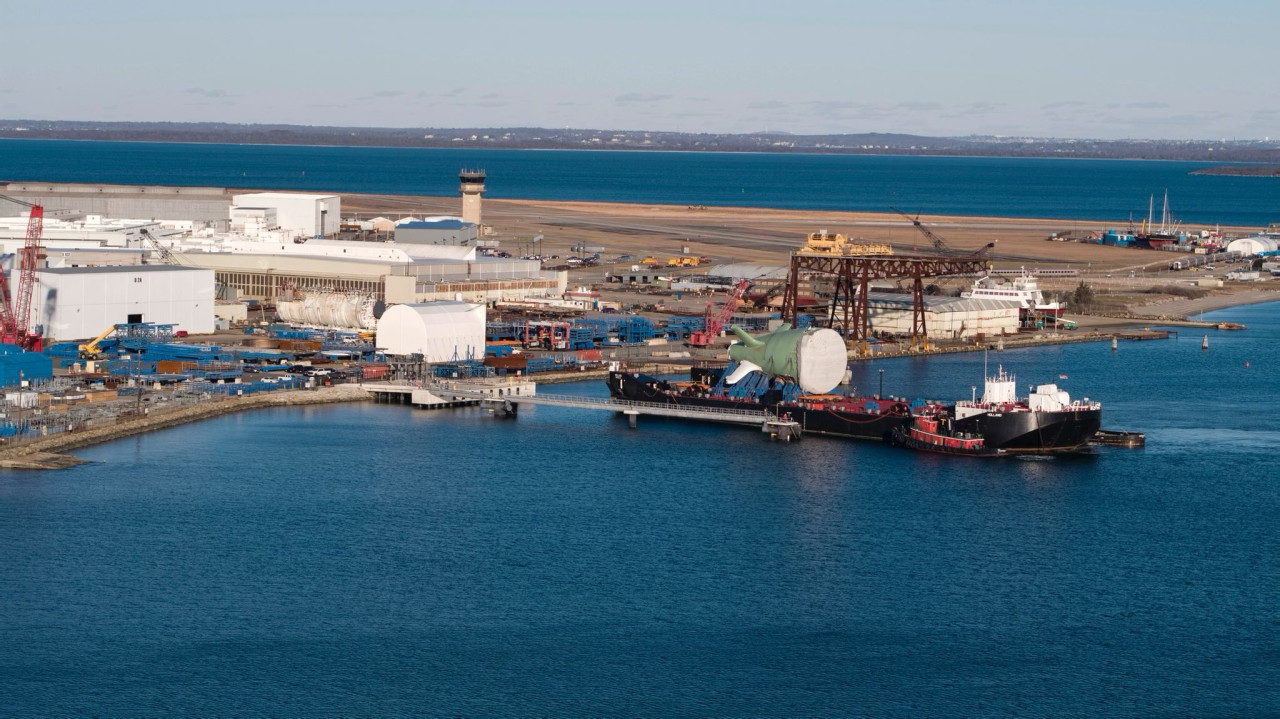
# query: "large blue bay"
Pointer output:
{"type": "Point", "coordinates": [1111, 191]}
{"type": "Point", "coordinates": [364, 560]}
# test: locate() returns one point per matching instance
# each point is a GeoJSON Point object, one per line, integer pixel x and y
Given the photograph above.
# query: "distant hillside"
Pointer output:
{"type": "Point", "coordinates": [543, 138]}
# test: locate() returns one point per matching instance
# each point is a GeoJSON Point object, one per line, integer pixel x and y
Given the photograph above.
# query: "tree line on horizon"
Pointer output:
{"type": "Point", "coordinates": [1255, 151]}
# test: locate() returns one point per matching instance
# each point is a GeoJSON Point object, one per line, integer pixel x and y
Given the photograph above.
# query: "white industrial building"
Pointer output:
{"type": "Point", "coordinates": [74, 303]}
{"type": "Point", "coordinates": [439, 331]}
{"type": "Point", "coordinates": [71, 231]}
{"type": "Point", "coordinates": [297, 214]}
{"type": "Point", "coordinates": [945, 317]}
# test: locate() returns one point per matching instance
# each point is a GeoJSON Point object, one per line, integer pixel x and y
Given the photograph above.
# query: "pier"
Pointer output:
{"type": "Point", "coordinates": [505, 399]}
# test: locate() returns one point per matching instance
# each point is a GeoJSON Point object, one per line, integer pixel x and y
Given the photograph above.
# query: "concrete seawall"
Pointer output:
{"type": "Point", "coordinates": [48, 452]}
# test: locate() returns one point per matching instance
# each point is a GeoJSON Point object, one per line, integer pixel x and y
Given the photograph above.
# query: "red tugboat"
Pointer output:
{"type": "Point", "coordinates": [934, 432]}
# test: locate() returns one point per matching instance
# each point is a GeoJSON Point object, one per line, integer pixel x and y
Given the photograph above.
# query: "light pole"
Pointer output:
{"type": "Point", "coordinates": [881, 395]}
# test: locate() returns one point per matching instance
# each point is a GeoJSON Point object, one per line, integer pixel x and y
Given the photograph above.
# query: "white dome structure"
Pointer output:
{"type": "Point", "coordinates": [439, 331]}
{"type": "Point", "coordinates": [1255, 244]}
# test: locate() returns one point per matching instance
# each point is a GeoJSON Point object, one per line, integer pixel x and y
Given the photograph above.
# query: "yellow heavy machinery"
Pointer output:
{"type": "Point", "coordinates": [92, 349]}
{"type": "Point", "coordinates": [682, 262]}
{"type": "Point", "coordinates": [826, 243]}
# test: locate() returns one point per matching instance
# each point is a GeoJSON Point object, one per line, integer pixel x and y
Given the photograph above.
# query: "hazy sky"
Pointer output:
{"type": "Point", "coordinates": [1068, 68]}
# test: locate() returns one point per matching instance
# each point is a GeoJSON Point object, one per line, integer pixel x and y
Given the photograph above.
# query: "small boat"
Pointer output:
{"type": "Point", "coordinates": [1119, 438]}
{"type": "Point", "coordinates": [934, 433]}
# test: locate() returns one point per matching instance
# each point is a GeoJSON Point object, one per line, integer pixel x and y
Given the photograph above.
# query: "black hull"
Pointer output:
{"type": "Point", "coordinates": [855, 425]}
{"type": "Point", "coordinates": [1025, 432]}
{"type": "Point", "coordinates": [1037, 432]}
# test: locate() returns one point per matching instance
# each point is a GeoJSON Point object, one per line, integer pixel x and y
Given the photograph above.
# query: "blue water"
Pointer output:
{"type": "Point", "coordinates": [373, 560]}
{"type": "Point", "coordinates": [1102, 190]}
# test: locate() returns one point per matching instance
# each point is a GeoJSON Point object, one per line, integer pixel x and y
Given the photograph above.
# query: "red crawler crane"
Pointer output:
{"type": "Point", "coordinates": [15, 317]}
{"type": "Point", "coordinates": [715, 322]}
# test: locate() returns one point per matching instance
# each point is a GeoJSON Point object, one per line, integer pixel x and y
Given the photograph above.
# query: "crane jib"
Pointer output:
{"type": "Point", "coordinates": [15, 311]}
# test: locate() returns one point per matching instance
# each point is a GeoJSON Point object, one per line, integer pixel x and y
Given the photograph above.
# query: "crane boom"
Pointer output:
{"type": "Point", "coordinates": [938, 243]}
{"type": "Point", "coordinates": [166, 255]}
{"type": "Point", "coordinates": [15, 312]}
{"type": "Point", "coordinates": [715, 322]}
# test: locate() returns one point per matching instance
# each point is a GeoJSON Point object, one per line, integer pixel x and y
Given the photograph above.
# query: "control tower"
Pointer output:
{"type": "Point", "coordinates": [471, 185]}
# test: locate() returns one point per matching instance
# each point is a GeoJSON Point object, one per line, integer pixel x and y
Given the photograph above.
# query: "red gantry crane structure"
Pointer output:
{"type": "Point", "coordinates": [15, 312]}
{"type": "Point", "coordinates": [849, 309]}
{"type": "Point", "coordinates": [715, 321]}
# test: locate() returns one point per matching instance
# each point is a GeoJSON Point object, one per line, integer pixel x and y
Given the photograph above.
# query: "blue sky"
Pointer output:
{"type": "Point", "coordinates": [1082, 68]}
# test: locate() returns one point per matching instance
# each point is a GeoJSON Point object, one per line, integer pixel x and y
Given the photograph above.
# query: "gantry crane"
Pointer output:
{"type": "Point", "coordinates": [715, 321]}
{"type": "Point", "coordinates": [15, 312]}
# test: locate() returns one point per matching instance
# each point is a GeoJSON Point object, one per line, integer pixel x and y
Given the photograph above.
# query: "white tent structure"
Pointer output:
{"type": "Point", "coordinates": [1255, 244]}
{"type": "Point", "coordinates": [439, 331]}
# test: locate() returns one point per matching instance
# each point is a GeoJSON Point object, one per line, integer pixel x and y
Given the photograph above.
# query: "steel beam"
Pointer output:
{"type": "Point", "coordinates": [849, 308]}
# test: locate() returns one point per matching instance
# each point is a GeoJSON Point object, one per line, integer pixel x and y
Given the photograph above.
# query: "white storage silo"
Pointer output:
{"type": "Point", "coordinates": [440, 331]}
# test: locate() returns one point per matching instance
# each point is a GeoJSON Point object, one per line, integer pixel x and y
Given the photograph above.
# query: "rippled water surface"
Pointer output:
{"type": "Point", "coordinates": [1109, 190]}
{"type": "Point", "coordinates": [381, 560]}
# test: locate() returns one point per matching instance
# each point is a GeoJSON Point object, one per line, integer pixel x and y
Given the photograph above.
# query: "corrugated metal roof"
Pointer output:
{"type": "Point", "coordinates": [108, 269]}
{"type": "Point", "coordinates": [750, 272]}
{"type": "Point", "coordinates": [938, 304]}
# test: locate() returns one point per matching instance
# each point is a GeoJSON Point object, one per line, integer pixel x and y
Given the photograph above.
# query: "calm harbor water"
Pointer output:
{"type": "Point", "coordinates": [1103, 190]}
{"type": "Point", "coordinates": [380, 560]}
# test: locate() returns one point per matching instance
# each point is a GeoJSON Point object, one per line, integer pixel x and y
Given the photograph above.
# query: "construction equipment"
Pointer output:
{"type": "Point", "coordinates": [825, 243]}
{"type": "Point", "coordinates": [93, 348]}
{"type": "Point", "coordinates": [715, 321]}
{"type": "Point", "coordinates": [941, 246]}
{"type": "Point", "coordinates": [166, 255]}
{"type": "Point", "coordinates": [938, 243]}
{"type": "Point", "coordinates": [15, 312]}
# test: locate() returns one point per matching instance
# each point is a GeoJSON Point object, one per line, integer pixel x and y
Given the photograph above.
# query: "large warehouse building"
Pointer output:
{"type": "Point", "coordinates": [386, 271]}
{"type": "Point", "coordinates": [198, 204]}
{"type": "Point", "coordinates": [76, 303]}
{"type": "Point", "coordinates": [945, 317]}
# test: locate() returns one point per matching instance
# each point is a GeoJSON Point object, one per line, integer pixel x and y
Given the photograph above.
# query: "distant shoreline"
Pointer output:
{"type": "Point", "coordinates": [1241, 171]}
{"type": "Point", "coordinates": [525, 138]}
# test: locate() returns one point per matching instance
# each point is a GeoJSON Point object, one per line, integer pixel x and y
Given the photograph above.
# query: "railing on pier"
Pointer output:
{"type": "Point", "coordinates": [715, 414]}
